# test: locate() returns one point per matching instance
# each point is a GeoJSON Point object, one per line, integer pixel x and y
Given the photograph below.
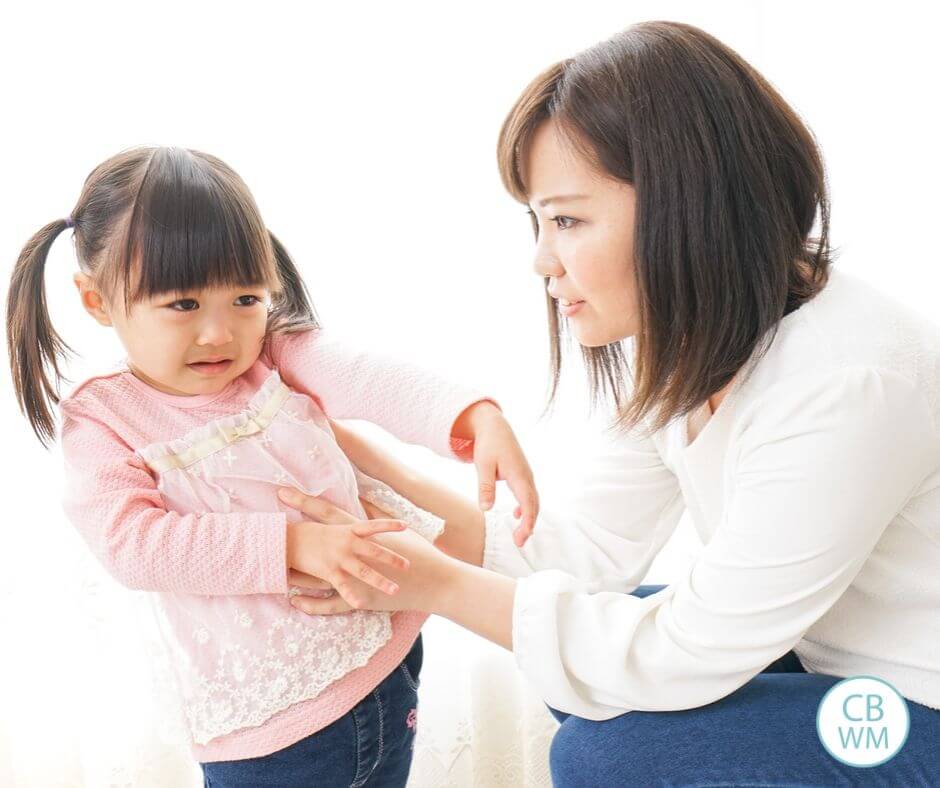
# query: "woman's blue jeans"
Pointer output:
{"type": "Point", "coordinates": [763, 734]}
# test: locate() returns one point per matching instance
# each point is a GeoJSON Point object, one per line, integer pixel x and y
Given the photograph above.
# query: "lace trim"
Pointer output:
{"type": "Point", "coordinates": [299, 662]}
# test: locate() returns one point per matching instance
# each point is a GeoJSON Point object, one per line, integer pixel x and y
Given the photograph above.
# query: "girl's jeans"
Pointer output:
{"type": "Point", "coordinates": [371, 745]}
{"type": "Point", "coordinates": [763, 734]}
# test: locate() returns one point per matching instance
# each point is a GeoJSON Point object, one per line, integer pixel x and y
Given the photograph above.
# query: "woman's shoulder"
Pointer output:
{"type": "Point", "coordinates": [851, 324]}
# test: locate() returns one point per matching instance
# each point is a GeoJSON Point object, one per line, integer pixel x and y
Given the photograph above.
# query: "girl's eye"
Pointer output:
{"type": "Point", "coordinates": [183, 304]}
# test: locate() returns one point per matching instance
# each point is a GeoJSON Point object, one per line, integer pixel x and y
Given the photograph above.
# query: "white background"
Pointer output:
{"type": "Point", "coordinates": [367, 135]}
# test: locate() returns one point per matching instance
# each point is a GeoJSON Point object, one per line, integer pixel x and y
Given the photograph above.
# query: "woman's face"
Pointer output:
{"type": "Point", "coordinates": [585, 239]}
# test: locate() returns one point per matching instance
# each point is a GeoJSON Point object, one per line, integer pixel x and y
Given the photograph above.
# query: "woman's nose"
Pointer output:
{"type": "Point", "coordinates": [547, 264]}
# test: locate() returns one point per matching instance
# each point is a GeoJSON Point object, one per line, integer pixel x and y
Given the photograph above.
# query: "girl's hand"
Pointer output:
{"type": "Point", "coordinates": [332, 546]}
{"type": "Point", "coordinates": [419, 588]}
{"type": "Point", "coordinates": [497, 455]}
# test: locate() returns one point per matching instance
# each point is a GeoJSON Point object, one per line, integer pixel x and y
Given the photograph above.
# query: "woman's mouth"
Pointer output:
{"type": "Point", "coordinates": [210, 367]}
{"type": "Point", "coordinates": [568, 308]}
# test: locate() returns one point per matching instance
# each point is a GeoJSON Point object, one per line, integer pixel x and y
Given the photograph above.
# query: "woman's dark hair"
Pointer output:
{"type": "Point", "coordinates": [149, 221]}
{"type": "Point", "coordinates": [728, 183]}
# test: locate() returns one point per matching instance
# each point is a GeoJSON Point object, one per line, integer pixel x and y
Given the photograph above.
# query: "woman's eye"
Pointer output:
{"type": "Point", "coordinates": [564, 222]}
{"type": "Point", "coordinates": [252, 303]}
{"type": "Point", "coordinates": [535, 222]}
{"type": "Point", "coordinates": [183, 301]}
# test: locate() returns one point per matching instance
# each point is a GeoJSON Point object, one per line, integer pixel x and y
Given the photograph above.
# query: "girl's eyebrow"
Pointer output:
{"type": "Point", "coordinates": [562, 198]}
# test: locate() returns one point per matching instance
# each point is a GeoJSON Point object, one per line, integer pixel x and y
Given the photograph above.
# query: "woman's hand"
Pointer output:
{"type": "Point", "coordinates": [333, 548]}
{"type": "Point", "coordinates": [420, 582]}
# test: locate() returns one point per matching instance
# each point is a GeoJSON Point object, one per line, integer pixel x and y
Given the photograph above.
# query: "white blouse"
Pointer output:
{"type": "Point", "coordinates": [815, 489]}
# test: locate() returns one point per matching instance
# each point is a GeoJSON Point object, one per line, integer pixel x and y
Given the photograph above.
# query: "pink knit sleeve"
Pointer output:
{"type": "Point", "coordinates": [412, 403]}
{"type": "Point", "coordinates": [113, 501]}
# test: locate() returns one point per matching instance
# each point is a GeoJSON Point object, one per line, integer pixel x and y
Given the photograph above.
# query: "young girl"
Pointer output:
{"type": "Point", "coordinates": [174, 460]}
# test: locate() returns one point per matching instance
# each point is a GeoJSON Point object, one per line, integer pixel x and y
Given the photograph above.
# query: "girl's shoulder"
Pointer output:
{"type": "Point", "coordinates": [96, 387]}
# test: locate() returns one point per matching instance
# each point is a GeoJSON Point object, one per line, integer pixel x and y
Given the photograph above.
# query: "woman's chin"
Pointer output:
{"type": "Point", "coordinates": [593, 338]}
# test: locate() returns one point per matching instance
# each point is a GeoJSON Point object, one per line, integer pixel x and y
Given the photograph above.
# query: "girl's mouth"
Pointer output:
{"type": "Point", "coordinates": [210, 368]}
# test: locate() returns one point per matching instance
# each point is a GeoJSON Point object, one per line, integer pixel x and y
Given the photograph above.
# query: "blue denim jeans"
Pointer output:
{"type": "Point", "coordinates": [371, 745]}
{"type": "Point", "coordinates": [763, 734]}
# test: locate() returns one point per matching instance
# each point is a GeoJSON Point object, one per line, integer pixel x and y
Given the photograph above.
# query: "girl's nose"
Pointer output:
{"type": "Point", "coordinates": [214, 331]}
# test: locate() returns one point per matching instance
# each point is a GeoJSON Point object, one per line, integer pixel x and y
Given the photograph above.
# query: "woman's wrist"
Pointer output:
{"type": "Point", "coordinates": [477, 599]}
{"type": "Point", "coordinates": [464, 536]}
{"type": "Point", "coordinates": [453, 583]}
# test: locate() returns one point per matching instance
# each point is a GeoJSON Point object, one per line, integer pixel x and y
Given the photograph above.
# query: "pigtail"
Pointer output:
{"type": "Point", "coordinates": [32, 342]}
{"type": "Point", "coordinates": [292, 308]}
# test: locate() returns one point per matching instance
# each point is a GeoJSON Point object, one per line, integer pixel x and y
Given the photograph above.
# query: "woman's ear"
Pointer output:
{"type": "Point", "coordinates": [92, 300]}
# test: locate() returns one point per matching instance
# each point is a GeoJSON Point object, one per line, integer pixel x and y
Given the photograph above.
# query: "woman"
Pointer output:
{"type": "Point", "coordinates": [788, 405]}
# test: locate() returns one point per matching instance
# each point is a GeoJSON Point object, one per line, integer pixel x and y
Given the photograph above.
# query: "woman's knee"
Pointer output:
{"type": "Point", "coordinates": [619, 751]}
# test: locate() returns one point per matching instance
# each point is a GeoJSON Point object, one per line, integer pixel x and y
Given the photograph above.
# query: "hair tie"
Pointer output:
{"type": "Point", "coordinates": [69, 222]}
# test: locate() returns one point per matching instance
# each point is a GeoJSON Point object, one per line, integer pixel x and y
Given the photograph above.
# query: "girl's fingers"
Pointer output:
{"type": "Point", "coordinates": [316, 508]}
{"type": "Point", "coordinates": [375, 552]}
{"type": "Point", "coordinates": [373, 511]}
{"type": "Point", "coordinates": [320, 607]}
{"type": "Point", "coordinates": [524, 489]}
{"type": "Point", "coordinates": [304, 580]}
{"type": "Point", "coordinates": [370, 577]}
{"type": "Point", "coordinates": [486, 473]}
{"type": "Point", "coordinates": [372, 527]}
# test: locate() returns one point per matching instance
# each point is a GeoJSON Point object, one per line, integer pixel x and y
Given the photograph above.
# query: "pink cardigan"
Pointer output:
{"type": "Point", "coordinates": [114, 501]}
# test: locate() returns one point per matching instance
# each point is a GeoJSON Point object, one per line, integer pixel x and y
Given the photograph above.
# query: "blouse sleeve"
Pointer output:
{"type": "Point", "coordinates": [624, 507]}
{"type": "Point", "coordinates": [113, 501]}
{"type": "Point", "coordinates": [414, 404]}
{"type": "Point", "coordinates": [821, 467]}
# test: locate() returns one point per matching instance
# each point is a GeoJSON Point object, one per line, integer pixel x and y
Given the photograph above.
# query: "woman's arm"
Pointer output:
{"type": "Point", "coordinates": [463, 521]}
{"type": "Point", "coordinates": [624, 506]}
{"type": "Point", "coordinates": [821, 468]}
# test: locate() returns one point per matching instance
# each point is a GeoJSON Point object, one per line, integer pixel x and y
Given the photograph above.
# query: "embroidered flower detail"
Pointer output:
{"type": "Point", "coordinates": [280, 477]}
{"type": "Point", "coordinates": [229, 457]}
{"type": "Point", "coordinates": [233, 496]}
{"type": "Point", "coordinates": [243, 619]}
{"type": "Point", "coordinates": [412, 721]}
{"type": "Point", "coordinates": [313, 453]}
{"type": "Point", "coordinates": [263, 439]}
{"type": "Point", "coordinates": [201, 635]}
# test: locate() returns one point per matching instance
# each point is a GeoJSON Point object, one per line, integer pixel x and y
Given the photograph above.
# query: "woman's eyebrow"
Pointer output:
{"type": "Point", "coordinates": [562, 198]}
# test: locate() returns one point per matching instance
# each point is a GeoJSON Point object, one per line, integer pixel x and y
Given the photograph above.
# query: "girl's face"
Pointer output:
{"type": "Point", "coordinates": [585, 239]}
{"type": "Point", "coordinates": [166, 337]}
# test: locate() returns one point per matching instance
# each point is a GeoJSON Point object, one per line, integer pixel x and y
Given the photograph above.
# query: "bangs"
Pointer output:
{"type": "Point", "coordinates": [194, 225]}
{"type": "Point", "coordinates": [534, 105]}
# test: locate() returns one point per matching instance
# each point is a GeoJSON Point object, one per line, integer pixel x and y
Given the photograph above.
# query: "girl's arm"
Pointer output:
{"type": "Point", "coordinates": [113, 501]}
{"type": "Point", "coordinates": [412, 403]}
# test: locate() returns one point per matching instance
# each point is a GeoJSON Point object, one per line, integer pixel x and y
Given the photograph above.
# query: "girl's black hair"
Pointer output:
{"type": "Point", "coordinates": [149, 221]}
